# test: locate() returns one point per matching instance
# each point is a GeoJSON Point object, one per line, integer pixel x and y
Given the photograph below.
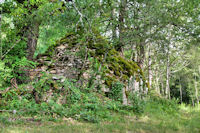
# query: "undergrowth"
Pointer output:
{"type": "Point", "coordinates": [63, 100]}
{"type": "Point", "coordinates": [58, 100]}
{"type": "Point", "coordinates": [153, 114]}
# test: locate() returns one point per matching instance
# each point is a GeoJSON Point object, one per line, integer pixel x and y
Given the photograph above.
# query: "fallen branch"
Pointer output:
{"type": "Point", "coordinates": [7, 89]}
{"type": "Point", "coordinates": [14, 85]}
{"type": "Point", "coordinates": [11, 48]}
{"type": "Point", "coordinates": [12, 111]}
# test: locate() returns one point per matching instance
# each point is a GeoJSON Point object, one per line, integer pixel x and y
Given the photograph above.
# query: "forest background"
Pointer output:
{"type": "Point", "coordinates": [92, 59]}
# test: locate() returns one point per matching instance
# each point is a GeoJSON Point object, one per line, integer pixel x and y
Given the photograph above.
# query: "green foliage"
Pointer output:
{"type": "Point", "coordinates": [116, 92]}
{"type": "Point", "coordinates": [103, 54]}
{"type": "Point", "coordinates": [20, 68]}
{"type": "Point", "coordinates": [163, 105]}
{"type": "Point", "coordinates": [69, 101]}
{"type": "Point", "coordinates": [73, 93]}
{"type": "Point", "coordinates": [5, 74]}
{"type": "Point", "coordinates": [184, 122]}
{"type": "Point", "coordinates": [137, 103]}
{"type": "Point", "coordinates": [88, 28]}
{"type": "Point", "coordinates": [14, 68]}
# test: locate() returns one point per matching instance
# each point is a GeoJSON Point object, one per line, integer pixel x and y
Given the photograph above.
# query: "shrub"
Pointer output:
{"type": "Point", "coordinates": [169, 106]}
{"type": "Point", "coordinates": [79, 103]}
{"type": "Point", "coordinates": [116, 91]}
{"type": "Point", "coordinates": [137, 103]}
{"type": "Point", "coordinates": [5, 74]}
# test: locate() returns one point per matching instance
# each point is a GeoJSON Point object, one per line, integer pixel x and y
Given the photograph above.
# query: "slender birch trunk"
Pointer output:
{"type": "Point", "coordinates": [136, 83]}
{"type": "Point", "coordinates": [157, 81]}
{"type": "Point", "coordinates": [167, 89]}
{"type": "Point", "coordinates": [196, 91]}
{"type": "Point", "coordinates": [114, 28]}
{"type": "Point", "coordinates": [149, 68]}
{"type": "Point", "coordinates": [122, 14]}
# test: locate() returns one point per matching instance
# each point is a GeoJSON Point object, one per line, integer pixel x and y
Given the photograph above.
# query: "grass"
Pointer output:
{"type": "Point", "coordinates": [186, 120]}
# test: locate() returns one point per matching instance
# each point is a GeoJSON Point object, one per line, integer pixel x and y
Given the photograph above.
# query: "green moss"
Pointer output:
{"type": "Point", "coordinates": [117, 73]}
{"type": "Point", "coordinates": [123, 68]}
{"type": "Point", "coordinates": [113, 52]}
{"type": "Point", "coordinates": [125, 77]}
{"type": "Point", "coordinates": [98, 47]}
{"type": "Point", "coordinates": [71, 39]}
{"type": "Point", "coordinates": [117, 66]}
{"type": "Point", "coordinates": [109, 81]}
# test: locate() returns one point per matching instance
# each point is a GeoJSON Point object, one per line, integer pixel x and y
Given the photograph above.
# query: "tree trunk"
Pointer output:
{"type": "Point", "coordinates": [136, 86]}
{"type": "Point", "coordinates": [167, 89]}
{"type": "Point", "coordinates": [193, 102]}
{"type": "Point", "coordinates": [33, 33]}
{"type": "Point", "coordinates": [114, 28]}
{"type": "Point", "coordinates": [149, 68]}
{"type": "Point", "coordinates": [141, 54]}
{"type": "Point", "coordinates": [157, 81]}
{"type": "Point", "coordinates": [162, 88]}
{"type": "Point", "coordinates": [196, 91]}
{"type": "Point", "coordinates": [122, 12]}
{"type": "Point", "coordinates": [140, 61]}
{"type": "Point", "coordinates": [125, 99]}
{"type": "Point", "coordinates": [181, 94]}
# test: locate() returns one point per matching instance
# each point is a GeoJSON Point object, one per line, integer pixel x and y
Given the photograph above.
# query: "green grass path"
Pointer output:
{"type": "Point", "coordinates": [152, 121]}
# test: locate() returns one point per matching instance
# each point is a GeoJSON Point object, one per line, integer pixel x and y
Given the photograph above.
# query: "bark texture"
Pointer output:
{"type": "Point", "coordinates": [32, 40]}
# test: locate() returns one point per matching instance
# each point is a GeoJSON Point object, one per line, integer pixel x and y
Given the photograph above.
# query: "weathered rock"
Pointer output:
{"type": "Point", "coordinates": [69, 60]}
{"type": "Point", "coordinates": [53, 71]}
{"type": "Point", "coordinates": [61, 47]}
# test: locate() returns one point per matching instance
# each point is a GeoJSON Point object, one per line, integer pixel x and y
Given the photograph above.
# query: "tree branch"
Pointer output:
{"type": "Point", "coordinates": [11, 48]}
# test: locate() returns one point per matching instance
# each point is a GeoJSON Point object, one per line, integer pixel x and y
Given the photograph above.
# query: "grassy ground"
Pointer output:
{"type": "Point", "coordinates": [187, 120]}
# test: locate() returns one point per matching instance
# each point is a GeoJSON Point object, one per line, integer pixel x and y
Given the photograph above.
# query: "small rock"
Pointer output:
{"type": "Point", "coordinates": [47, 62]}
{"type": "Point", "coordinates": [105, 89]}
{"type": "Point", "coordinates": [53, 72]}
{"type": "Point", "coordinates": [62, 47]}
{"type": "Point", "coordinates": [86, 75]}
{"type": "Point", "coordinates": [70, 64]}
{"type": "Point", "coordinates": [44, 68]}
{"type": "Point", "coordinates": [55, 78]}
{"type": "Point", "coordinates": [14, 111]}
{"type": "Point", "coordinates": [62, 80]}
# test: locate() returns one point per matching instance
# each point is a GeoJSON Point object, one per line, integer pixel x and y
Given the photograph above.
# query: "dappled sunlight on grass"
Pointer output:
{"type": "Point", "coordinates": [143, 124]}
{"type": "Point", "coordinates": [184, 120]}
{"type": "Point", "coordinates": [188, 108]}
{"type": "Point", "coordinates": [144, 119]}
